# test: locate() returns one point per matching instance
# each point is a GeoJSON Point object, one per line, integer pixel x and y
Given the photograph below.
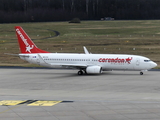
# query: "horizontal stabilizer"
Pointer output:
{"type": "Point", "coordinates": [18, 55]}
{"type": "Point", "coordinates": [12, 54]}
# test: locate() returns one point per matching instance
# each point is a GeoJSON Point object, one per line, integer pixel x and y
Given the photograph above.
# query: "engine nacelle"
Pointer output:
{"type": "Point", "coordinates": [94, 70]}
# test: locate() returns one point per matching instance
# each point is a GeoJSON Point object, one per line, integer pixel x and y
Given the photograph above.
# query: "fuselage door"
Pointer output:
{"type": "Point", "coordinates": [137, 64]}
{"type": "Point", "coordinates": [38, 61]}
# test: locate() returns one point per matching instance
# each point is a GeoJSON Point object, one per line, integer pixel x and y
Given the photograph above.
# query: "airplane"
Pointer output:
{"type": "Point", "coordinates": [87, 63]}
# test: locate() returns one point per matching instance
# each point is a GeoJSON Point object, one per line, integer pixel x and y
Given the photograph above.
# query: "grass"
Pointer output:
{"type": "Point", "coordinates": [117, 37]}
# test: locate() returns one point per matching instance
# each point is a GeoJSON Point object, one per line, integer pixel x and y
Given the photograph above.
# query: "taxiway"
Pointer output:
{"type": "Point", "coordinates": [54, 94]}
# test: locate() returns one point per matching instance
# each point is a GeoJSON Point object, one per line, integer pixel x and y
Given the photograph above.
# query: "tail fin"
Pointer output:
{"type": "Point", "coordinates": [25, 43]}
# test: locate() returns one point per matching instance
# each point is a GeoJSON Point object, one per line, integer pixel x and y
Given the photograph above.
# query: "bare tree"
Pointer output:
{"type": "Point", "coordinates": [72, 6]}
{"type": "Point", "coordinates": [63, 4]}
{"type": "Point", "coordinates": [93, 6]}
{"type": "Point", "coordinates": [97, 4]}
{"type": "Point", "coordinates": [87, 6]}
{"type": "Point", "coordinates": [25, 5]}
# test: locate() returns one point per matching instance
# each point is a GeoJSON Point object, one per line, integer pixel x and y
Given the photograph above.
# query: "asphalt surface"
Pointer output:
{"type": "Point", "coordinates": [54, 94]}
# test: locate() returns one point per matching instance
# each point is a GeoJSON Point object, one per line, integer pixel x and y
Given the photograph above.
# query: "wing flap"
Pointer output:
{"type": "Point", "coordinates": [69, 65]}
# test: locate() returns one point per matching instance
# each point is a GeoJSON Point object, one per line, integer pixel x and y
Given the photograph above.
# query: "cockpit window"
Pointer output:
{"type": "Point", "coordinates": [147, 60]}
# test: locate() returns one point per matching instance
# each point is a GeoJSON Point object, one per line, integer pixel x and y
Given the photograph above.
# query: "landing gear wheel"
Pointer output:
{"type": "Point", "coordinates": [80, 72]}
{"type": "Point", "coordinates": [141, 73]}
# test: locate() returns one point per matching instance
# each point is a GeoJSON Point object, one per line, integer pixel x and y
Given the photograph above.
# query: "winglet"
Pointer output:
{"type": "Point", "coordinates": [85, 50]}
{"type": "Point", "coordinates": [27, 46]}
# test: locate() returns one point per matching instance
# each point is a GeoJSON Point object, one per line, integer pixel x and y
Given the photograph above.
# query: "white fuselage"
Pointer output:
{"type": "Point", "coordinates": [105, 61]}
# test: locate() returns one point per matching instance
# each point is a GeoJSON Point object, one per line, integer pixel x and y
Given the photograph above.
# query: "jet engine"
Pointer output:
{"type": "Point", "coordinates": [94, 70]}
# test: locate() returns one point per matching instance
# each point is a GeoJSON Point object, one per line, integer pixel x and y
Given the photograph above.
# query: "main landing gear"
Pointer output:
{"type": "Point", "coordinates": [141, 73]}
{"type": "Point", "coordinates": [81, 72]}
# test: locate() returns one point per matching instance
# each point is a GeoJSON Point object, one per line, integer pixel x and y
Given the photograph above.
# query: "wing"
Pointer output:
{"type": "Point", "coordinates": [63, 64]}
{"type": "Point", "coordinates": [68, 65]}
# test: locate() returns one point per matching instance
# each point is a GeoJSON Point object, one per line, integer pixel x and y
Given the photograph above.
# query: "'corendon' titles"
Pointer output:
{"type": "Point", "coordinates": [116, 60]}
{"type": "Point", "coordinates": [28, 47]}
{"type": "Point", "coordinates": [22, 37]}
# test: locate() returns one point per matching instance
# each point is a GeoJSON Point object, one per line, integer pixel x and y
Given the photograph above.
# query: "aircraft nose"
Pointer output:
{"type": "Point", "coordinates": [153, 64]}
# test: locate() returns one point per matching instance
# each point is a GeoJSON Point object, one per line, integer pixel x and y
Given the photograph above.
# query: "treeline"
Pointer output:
{"type": "Point", "coordinates": [62, 10]}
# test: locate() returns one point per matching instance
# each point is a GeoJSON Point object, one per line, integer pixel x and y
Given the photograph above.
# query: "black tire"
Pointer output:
{"type": "Point", "coordinates": [80, 72]}
{"type": "Point", "coordinates": [141, 73]}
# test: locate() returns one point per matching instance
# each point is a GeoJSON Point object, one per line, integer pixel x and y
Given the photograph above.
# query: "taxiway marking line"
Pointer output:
{"type": "Point", "coordinates": [29, 102]}
{"type": "Point", "coordinates": [10, 109]}
{"type": "Point", "coordinates": [44, 103]}
{"type": "Point", "coordinates": [11, 102]}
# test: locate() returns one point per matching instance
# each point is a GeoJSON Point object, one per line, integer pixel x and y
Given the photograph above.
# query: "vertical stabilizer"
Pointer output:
{"type": "Point", "coordinates": [25, 43]}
